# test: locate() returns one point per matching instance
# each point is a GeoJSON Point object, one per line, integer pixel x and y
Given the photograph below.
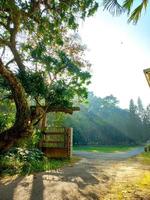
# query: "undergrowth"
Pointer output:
{"type": "Point", "coordinates": [25, 161]}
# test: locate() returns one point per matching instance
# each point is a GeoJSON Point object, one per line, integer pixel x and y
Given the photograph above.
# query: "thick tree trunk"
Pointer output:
{"type": "Point", "coordinates": [22, 126]}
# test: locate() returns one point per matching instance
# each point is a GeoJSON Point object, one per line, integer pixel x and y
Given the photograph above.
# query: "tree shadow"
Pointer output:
{"type": "Point", "coordinates": [88, 196]}
{"type": "Point", "coordinates": [82, 175]}
{"type": "Point", "coordinates": [37, 188]}
{"type": "Point", "coordinates": [79, 176]}
{"type": "Point", "coordinates": [7, 190]}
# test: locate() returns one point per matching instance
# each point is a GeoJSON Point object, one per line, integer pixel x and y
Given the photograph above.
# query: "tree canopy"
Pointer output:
{"type": "Point", "coordinates": [41, 61]}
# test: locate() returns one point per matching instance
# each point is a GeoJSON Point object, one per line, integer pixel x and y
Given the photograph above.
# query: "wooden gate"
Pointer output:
{"type": "Point", "coordinates": [57, 142]}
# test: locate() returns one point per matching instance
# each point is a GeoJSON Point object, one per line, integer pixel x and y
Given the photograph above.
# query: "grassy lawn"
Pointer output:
{"type": "Point", "coordinates": [104, 149]}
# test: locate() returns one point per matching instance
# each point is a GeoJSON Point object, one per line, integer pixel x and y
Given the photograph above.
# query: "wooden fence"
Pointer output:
{"type": "Point", "coordinates": [57, 142]}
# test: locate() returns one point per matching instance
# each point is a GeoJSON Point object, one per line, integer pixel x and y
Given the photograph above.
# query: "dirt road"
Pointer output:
{"type": "Point", "coordinates": [110, 156]}
{"type": "Point", "coordinates": [95, 177]}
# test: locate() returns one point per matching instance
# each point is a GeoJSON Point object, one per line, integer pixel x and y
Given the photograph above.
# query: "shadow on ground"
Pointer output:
{"type": "Point", "coordinates": [75, 182]}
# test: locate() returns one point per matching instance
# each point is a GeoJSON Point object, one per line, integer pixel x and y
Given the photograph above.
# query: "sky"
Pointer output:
{"type": "Point", "coordinates": [118, 52]}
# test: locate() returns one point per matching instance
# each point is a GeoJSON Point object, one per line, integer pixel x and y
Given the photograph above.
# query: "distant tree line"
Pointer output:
{"type": "Point", "coordinates": [102, 122]}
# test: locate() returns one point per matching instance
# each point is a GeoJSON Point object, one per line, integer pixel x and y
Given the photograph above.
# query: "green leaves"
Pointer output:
{"type": "Point", "coordinates": [135, 15]}
{"type": "Point", "coordinates": [145, 3]}
{"type": "Point", "coordinates": [36, 53]}
{"type": "Point", "coordinates": [93, 9]}
{"type": "Point", "coordinates": [128, 4]}
{"type": "Point", "coordinates": [60, 95]}
{"type": "Point", "coordinates": [34, 83]}
{"type": "Point", "coordinates": [54, 67]}
{"type": "Point", "coordinates": [68, 78]}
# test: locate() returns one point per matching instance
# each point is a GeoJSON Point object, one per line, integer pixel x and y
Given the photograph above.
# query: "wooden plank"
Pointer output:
{"type": "Point", "coordinates": [57, 142]}
{"type": "Point", "coordinates": [52, 142]}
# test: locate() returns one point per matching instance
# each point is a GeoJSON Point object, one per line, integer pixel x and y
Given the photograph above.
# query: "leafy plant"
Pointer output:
{"type": "Point", "coordinates": [6, 121]}
{"type": "Point", "coordinates": [26, 161]}
{"type": "Point", "coordinates": [24, 154]}
{"type": "Point", "coordinates": [30, 142]}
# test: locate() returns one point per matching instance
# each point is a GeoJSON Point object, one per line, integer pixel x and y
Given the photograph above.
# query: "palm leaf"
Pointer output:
{"type": "Point", "coordinates": [127, 4]}
{"type": "Point", "coordinates": [113, 7]}
{"type": "Point", "coordinates": [135, 15]}
{"type": "Point", "coordinates": [145, 3]}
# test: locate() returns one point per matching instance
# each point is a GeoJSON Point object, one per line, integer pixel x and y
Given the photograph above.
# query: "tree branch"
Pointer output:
{"type": "Point", "coordinates": [62, 109]}
{"type": "Point", "coordinates": [17, 57]}
{"type": "Point", "coordinates": [12, 60]}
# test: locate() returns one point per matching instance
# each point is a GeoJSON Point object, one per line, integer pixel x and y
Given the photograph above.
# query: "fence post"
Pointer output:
{"type": "Point", "coordinates": [69, 132]}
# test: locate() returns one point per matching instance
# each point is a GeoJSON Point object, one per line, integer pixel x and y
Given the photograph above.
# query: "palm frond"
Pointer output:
{"type": "Point", "coordinates": [135, 15]}
{"type": "Point", "coordinates": [113, 7]}
{"type": "Point", "coordinates": [127, 4]}
{"type": "Point", "coordinates": [145, 3]}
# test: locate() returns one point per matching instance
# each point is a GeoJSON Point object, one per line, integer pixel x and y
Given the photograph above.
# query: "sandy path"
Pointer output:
{"type": "Point", "coordinates": [92, 178]}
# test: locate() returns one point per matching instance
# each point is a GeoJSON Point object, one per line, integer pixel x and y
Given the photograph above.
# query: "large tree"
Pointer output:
{"type": "Point", "coordinates": [33, 46]}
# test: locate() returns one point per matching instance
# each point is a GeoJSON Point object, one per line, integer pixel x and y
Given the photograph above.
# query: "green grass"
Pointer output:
{"type": "Point", "coordinates": [104, 149]}
{"type": "Point", "coordinates": [144, 158]}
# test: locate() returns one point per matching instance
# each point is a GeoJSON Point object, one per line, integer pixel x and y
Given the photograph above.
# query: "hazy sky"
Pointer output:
{"type": "Point", "coordinates": [118, 52]}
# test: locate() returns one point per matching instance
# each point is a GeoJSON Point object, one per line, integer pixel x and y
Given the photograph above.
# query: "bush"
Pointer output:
{"type": "Point", "coordinates": [147, 148]}
{"type": "Point", "coordinates": [20, 160]}
{"type": "Point", "coordinates": [25, 161]}
{"type": "Point", "coordinates": [24, 154]}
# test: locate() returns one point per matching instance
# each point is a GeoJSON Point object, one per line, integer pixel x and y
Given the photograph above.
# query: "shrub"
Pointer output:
{"type": "Point", "coordinates": [25, 161]}
{"type": "Point", "coordinates": [20, 160]}
{"type": "Point", "coordinates": [24, 154]}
